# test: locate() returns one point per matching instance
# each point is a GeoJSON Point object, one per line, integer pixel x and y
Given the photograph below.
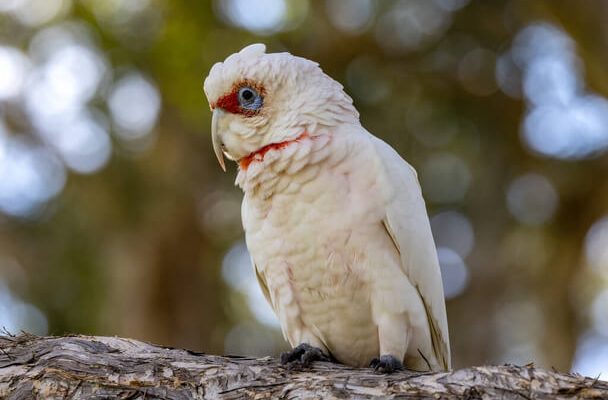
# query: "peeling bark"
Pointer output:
{"type": "Point", "coordinates": [87, 367]}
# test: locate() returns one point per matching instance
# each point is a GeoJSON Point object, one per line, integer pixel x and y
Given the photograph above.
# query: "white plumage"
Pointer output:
{"type": "Point", "coordinates": [334, 218]}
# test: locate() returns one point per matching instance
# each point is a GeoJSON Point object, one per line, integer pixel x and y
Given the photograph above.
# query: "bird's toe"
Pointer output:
{"type": "Point", "coordinates": [302, 356]}
{"type": "Point", "coordinates": [386, 364]}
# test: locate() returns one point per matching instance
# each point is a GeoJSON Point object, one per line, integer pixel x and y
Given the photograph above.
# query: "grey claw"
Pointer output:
{"type": "Point", "coordinates": [386, 364]}
{"type": "Point", "coordinates": [302, 356]}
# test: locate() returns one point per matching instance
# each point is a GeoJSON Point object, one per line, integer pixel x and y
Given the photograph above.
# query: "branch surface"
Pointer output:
{"type": "Point", "coordinates": [92, 367]}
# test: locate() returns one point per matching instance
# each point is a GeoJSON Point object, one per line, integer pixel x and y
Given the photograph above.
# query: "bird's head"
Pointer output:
{"type": "Point", "coordinates": [261, 99]}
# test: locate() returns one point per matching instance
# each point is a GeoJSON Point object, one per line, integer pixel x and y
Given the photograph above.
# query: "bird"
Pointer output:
{"type": "Point", "coordinates": [334, 218]}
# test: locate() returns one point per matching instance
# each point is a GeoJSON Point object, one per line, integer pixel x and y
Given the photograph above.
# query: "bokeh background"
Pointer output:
{"type": "Point", "coordinates": [115, 218]}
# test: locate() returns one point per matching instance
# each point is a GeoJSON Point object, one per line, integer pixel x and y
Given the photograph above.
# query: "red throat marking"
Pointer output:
{"type": "Point", "coordinates": [258, 155]}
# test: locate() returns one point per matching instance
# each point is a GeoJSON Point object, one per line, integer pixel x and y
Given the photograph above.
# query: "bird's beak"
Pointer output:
{"type": "Point", "coordinates": [215, 137]}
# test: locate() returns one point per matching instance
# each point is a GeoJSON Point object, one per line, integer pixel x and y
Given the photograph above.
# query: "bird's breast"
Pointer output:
{"type": "Point", "coordinates": [316, 243]}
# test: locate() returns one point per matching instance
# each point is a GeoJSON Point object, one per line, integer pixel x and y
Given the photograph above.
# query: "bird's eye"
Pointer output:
{"type": "Point", "coordinates": [250, 99]}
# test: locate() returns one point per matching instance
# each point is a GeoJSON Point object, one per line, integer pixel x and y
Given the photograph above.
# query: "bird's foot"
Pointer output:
{"type": "Point", "coordinates": [386, 364]}
{"type": "Point", "coordinates": [302, 356]}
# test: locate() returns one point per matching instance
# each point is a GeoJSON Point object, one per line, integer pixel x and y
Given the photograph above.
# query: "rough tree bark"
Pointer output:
{"type": "Point", "coordinates": [85, 367]}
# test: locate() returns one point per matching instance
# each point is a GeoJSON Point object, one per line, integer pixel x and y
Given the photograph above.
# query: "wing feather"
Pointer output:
{"type": "Point", "coordinates": [407, 224]}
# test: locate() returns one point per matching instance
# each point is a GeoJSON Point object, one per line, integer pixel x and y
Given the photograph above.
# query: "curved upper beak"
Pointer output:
{"type": "Point", "coordinates": [215, 137]}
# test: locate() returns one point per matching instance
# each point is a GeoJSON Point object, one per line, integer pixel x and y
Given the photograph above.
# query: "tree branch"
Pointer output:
{"type": "Point", "coordinates": [87, 367]}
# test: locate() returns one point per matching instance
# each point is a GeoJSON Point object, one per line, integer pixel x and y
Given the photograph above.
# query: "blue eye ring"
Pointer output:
{"type": "Point", "coordinates": [250, 99]}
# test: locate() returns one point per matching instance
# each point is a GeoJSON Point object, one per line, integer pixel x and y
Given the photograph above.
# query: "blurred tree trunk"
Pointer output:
{"type": "Point", "coordinates": [105, 367]}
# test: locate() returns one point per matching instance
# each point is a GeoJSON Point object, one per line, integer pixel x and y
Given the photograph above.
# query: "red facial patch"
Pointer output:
{"type": "Point", "coordinates": [258, 155]}
{"type": "Point", "coordinates": [229, 102]}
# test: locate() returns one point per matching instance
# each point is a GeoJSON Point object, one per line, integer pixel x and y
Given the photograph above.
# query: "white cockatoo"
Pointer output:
{"type": "Point", "coordinates": [334, 218]}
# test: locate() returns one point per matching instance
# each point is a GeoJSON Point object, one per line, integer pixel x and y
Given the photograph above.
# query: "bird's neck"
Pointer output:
{"type": "Point", "coordinates": [280, 166]}
{"type": "Point", "coordinates": [258, 155]}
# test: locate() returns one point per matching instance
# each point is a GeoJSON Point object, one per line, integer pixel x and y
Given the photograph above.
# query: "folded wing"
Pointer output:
{"type": "Point", "coordinates": [407, 224]}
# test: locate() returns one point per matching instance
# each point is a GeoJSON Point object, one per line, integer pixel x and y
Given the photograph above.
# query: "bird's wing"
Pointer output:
{"type": "Point", "coordinates": [407, 224]}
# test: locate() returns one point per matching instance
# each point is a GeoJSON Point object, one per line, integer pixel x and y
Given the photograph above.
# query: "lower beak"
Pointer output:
{"type": "Point", "coordinates": [215, 137]}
